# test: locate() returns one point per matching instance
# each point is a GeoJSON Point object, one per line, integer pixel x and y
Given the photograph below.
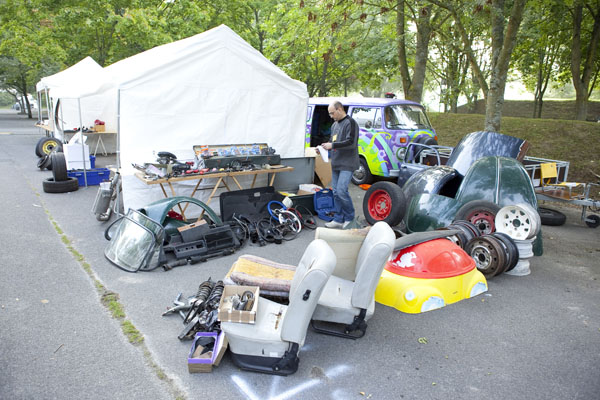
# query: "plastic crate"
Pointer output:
{"type": "Point", "coordinates": [94, 176]}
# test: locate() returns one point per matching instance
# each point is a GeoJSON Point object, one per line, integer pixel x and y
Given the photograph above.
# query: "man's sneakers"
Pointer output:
{"type": "Point", "coordinates": [337, 225]}
{"type": "Point", "coordinates": [334, 225]}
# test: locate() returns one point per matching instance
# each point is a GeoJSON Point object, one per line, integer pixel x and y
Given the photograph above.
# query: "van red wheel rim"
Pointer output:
{"type": "Point", "coordinates": [483, 220]}
{"type": "Point", "coordinates": [380, 205]}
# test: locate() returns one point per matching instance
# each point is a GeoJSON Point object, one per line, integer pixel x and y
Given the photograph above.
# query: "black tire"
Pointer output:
{"type": "Point", "coordinates": [481, 213]}
{"type": "Point", "coordinates": [38, 148]}
{"type": "Point", "coordinates": [551, 217]}
{"type": "Point", "coordinates": [70, 185]}
{"type": "Point", "coordinates": [44, 162]}
{"type": "Point", "coordinates": [593, 221]}
{"type": "Point", "coordinates": [362, 174]}
{"type": "Point", "coordinates": [47, 145]}
{"type": "Point", "coordinates": [384, 201]}
{"type": "Point", "coordinates": [59, 167]}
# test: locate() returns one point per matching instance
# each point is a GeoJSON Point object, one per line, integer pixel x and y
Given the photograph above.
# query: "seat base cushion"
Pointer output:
{"type": "Point", "coordinates": [273, 278]}
{"type": "Point", "coordinates": [335, 303]}
{"type": "Point", "coordinates": [263, 338]}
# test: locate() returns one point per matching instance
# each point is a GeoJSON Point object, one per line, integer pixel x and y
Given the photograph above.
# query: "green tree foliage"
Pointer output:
{"type": "Point", "coordinates": [459, 47]}
{"type": "Point", "coordinates": [543, 37]}
{"type": "Point", "coordinates": [331, 46]}
{"type": "Point", "coordinates": [28, 50]}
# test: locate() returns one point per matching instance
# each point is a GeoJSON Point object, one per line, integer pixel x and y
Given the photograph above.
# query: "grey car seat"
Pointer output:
{"type": "Point", "coordinates": [272, 343]}
{"type": "Point", "coordinates": [348, 300]}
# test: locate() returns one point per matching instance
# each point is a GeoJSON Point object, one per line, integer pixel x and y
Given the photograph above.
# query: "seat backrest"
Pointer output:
{"type": "Point", "coordinates": [313, 271]}
{"type": "Point", "coordinates": [547, 172]}
{"type": "Point", "coordinates": [346, 244]}
{"type": "Point", "coordinates": [374, 253]}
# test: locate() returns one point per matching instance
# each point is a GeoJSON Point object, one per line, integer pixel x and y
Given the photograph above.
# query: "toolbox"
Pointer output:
{"type": "Point", "coordinates": [94, 176]}
{"type": "Point", "coordinates": [324, 204]}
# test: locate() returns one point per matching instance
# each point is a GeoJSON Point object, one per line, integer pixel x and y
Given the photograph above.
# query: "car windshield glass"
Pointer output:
{"type": "Point", "coordinates": [406, 116]}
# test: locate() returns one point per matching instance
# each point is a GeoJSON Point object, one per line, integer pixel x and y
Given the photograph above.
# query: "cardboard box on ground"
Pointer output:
{"type": "Point", "coordinates": [200, 360]}
{"type": "Point", "coordinates": [227, 314]}
{"type": "Point", "coordinates": [322, 169]}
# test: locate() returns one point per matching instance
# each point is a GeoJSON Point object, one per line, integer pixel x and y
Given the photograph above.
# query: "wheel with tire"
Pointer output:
{"type": "Point", "coordinates": [44, 162]}
{"type": "Point", "coordinates": [47, 145]}
{"type": "Point", "coordinates": [551, 217]}
{"type": "Point", "coordinates": [593, 221]}
{"type": "Point", "coordinates": [362, 175]}
{"type": "Point", "coordinates": [480, 213]}
{"type": "Point", "coordinates": [51, 186]}
{"type": "Point", "coordinates": [384, 201]}
{"type": "Point", "coordinates": [59, 167]}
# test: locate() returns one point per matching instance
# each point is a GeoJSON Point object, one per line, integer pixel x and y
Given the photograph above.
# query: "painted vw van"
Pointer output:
{"type": "Point", "coordinates": [387, 125]}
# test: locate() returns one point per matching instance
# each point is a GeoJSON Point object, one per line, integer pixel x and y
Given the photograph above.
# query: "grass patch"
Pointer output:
{"type": "Point", "coordinates": [111, 301]}
{"type": "Point", "coordinates": [577, 142]}
{"type": "Point", "coordinates": [133, 335]}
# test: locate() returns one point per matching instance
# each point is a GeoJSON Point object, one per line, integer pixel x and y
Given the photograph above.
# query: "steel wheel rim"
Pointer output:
{"type": "Point", "coordinates": [483, 257]}
{"type": "Point", "coordinates": [49, 146]}
{"type": "Point", "coordinates": [516, 223]}
{"type": "Point", "coordinates": [380, 204]}
{"type": "Point", "coordinates": [487, 256]}
{"type": "Point", "coordinates": [483, 221]}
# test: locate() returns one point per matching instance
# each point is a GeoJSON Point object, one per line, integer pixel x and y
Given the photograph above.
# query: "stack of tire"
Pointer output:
{"type": "Point", "coordinates": [60, 181]}
{"type": "Point", "coordinates": [500, 240]}
{"type": "Point", "coordinates": [494, 252]}
{"type": "Point", "coordinates": [44, 148]}
{"type": "Point", "coordinates": [49, 151]}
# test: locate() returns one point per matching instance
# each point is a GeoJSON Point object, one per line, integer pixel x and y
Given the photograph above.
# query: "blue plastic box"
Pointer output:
{"type": "Point", "coordinates": [324, 204]}
{"type": "Point", "coordinates": [94, 176]}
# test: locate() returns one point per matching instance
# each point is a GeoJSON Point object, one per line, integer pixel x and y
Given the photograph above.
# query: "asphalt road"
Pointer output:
{"type": "Point", "coordinates": [532, 337]}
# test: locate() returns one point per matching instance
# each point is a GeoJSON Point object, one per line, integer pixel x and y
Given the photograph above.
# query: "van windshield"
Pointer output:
{"type": "Point", "coordinates": [406, 116]}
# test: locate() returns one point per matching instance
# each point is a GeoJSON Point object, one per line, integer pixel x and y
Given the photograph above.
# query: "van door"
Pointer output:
{"type": "Point", "coordinates": [375, 145]}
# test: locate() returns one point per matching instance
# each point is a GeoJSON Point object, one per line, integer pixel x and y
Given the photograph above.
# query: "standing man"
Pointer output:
{"type": "Point", "coordinates": [344, 161]}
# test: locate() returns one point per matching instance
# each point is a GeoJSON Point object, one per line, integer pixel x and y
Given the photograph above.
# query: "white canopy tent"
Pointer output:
{"type": "Point", "coordinates": [76, 87]}
{"type": "Point", "coordinates": [211, 88]}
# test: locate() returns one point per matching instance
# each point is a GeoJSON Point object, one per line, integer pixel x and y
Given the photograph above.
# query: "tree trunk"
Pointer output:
{"type": "Point", "coordinates": [581, 79]}
{"type": "Point", "coordinates": [502, 47]}
{"type": "Point", "coordinates": [415, 92]}
{"type": "Point", "coordinates": [401, 37]}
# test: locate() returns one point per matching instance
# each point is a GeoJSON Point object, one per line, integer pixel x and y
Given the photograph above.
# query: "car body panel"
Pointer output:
{"type": "Point", "coordinates": [499, 180]}
{"type": "Point", "coordinates": [476, 145]}
{"type": "Point", "coordinates": [428, 276]}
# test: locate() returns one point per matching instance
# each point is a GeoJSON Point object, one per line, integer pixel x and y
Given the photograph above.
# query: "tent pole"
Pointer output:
{"type": "Point", "coordinates": [118, 150]}
{"type": "Point", "coordinates": [82, 144]}
{"type": "Point", "coordinates": [48, 108]}
{"type": "Point", "coordinates": [39, 99]}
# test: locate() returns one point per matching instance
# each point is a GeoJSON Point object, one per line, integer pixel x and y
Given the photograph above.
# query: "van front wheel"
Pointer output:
{"type": "Point", "coordinates": [362, 174]}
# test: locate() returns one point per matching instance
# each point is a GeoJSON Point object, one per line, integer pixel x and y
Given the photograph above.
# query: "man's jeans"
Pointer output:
{"type": "Point", "coordinates": [344, 210]}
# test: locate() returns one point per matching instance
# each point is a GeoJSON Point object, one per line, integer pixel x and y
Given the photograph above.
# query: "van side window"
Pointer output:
{"type": "Point", "coordinates": [365, 117]}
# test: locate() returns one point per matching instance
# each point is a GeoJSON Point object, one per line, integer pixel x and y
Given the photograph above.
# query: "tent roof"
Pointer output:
{"type": "Point", "coordinates": [76, 75]}
{"type": "Point", "coordinates": [144, 66]}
